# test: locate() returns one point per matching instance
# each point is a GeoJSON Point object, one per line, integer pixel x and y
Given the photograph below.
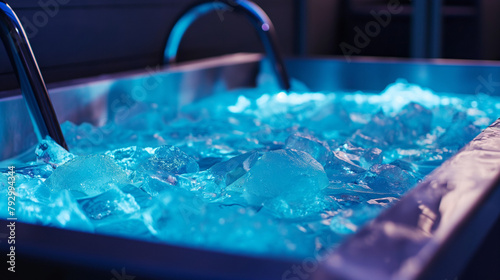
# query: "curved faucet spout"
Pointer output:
{"type": "Point", "coordinates": [252, 11]}
{"type": "Point", "coordinates": [28, 74]}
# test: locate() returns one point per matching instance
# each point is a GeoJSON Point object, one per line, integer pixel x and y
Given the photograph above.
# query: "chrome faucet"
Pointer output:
{"type": "Point", "coordinates": [28, 74]}
{"type": "Point", "coordinates": [252, 11]}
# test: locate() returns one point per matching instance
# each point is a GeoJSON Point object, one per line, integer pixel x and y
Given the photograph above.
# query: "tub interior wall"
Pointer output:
{"type": "Point", "coordinates": [93, 101]}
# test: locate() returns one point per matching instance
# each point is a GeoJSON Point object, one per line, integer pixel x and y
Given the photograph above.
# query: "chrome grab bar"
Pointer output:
{"type": "Point", "coordinates": [252, 11]}
{"type": "Point", "coordinates": [28, 74]}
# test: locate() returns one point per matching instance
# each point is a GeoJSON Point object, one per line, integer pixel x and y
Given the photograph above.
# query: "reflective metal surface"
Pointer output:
{"type": "Point", "coordinates": [261, 22]}
{"type": "Point", "coordinates": [452, 210]}
{"type": "Point", "coordinates": [374, 74]}
{"type": "Point", "coordinates": [28, 74]}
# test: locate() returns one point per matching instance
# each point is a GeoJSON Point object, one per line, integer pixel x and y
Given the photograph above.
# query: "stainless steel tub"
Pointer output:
{"type": "Point", "coordinates": [421, 236]}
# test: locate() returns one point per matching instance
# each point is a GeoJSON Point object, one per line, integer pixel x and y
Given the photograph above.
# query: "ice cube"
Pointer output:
{"type": "Point", "coordinates": [272, 138]}
{"type": "Point", "coordinates": [129, 158]}
{"type": "Point", "coordinates": [67, 214]}
{"type": "Point", "coordinates": [141, 197]}
{"type": "Point", "coordinates": [416, 122]}
{"type": "Point", "coordinates": [170, 160]}
{"type": "Point", "coordinates": [234, 168]}
{"type": "Point", "coordinates": [113, 202]}
{"type": "Point", "coordinates": [372, 156]}
{"type": "Point", "coordinates": [390, 178]}
{"type": "Point", "coordinates": [212, 183]}
{"type": "Point", "coordinates": [309, 207]}
{"type": "Point", "coordinates": [87, 176]}
{"type": "Point", "coordinates": [204, 183]}
{"type": "Point", "coordinates": [411, 124]}
{"type": "Point", "coordinates": [293, 176]}
{"type": "Point", "coordinates": [460, 132]}
{"type": "Point", "coordinates": [342, 168]}
{"type": "Point", "coordinates": [318, 149]}
{"type": "Point", "coordinates": [34, 189]}
{"type": "Point", "coordinates": [328, 116]}
{"type": "Point", "coordinates": [153, 186]}
{"type": "Point", "coordinates": [381, 131]}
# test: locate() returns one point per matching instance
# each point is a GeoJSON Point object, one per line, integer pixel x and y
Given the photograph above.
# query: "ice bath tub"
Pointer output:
{"type": "Point", "coordinates": [432, 232]}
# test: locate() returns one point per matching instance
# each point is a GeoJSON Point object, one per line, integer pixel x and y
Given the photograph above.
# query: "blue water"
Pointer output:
{"type": "Point", "coordinates": [276, 174]}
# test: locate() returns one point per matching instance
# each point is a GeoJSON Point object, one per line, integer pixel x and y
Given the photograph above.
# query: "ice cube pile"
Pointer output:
{"type": "Point", "coordinates": [284, 174]}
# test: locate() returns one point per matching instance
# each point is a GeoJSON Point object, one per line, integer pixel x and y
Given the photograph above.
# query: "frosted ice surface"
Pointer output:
{"type": "Point", "coordinates": [87, 175]}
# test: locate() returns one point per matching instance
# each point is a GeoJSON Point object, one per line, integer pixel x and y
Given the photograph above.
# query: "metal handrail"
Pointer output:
{"type": "Point", "coordinates": [28, 74]}
{"type": "Point", "coordinates": [252, 11]}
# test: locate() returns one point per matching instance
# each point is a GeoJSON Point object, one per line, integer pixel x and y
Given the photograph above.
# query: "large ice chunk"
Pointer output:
{"type": "Point", "coordinates": [382, 130]}
{"type": "Point", "coordinates": [318, 149]}
{"type": "Point", "coordinates": [294, 177]}
{"type": "Point", "coordinates": [460, 132]}
{"type": "Point", "coordinates": [416, 122]}
{"type": "Point", "coordinates": [87, 176]}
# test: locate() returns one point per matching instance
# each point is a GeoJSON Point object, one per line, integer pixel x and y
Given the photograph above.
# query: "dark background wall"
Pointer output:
{"type": "Point", "coordinates": [83, 38]}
